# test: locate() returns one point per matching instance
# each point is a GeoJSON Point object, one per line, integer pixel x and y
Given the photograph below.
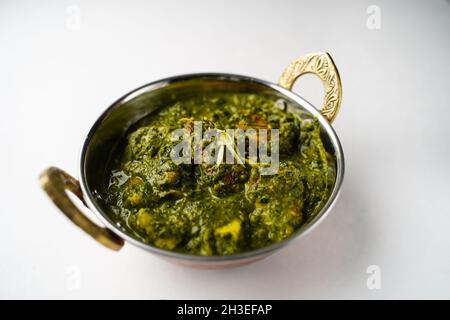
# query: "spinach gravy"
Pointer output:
{"type": "Point", "coordinates": [217, 208]}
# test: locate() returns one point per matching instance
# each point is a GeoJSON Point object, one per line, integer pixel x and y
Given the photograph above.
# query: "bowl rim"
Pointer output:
{"type": "Point", "coordinates": [88, 195]}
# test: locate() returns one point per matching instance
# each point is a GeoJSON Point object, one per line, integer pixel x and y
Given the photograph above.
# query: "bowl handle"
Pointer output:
{"type": "Point", "coordinates": [55, 182]}
{"type": "Point", "coordinates": [320, 64]}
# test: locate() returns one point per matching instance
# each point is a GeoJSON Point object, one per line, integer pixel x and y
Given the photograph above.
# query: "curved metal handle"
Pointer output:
{"type": "Point", "coordinates": [55, 182]}
{"type": "Point", "coordinates": [320, 64]}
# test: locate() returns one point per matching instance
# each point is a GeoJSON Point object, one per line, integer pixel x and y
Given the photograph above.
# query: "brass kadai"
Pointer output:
{"type": "Point", "coordinates": [140, 102]}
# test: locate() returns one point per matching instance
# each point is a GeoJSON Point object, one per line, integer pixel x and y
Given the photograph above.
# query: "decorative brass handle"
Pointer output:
{"type": "Point", "coordinates": [322, 65]}
{"type": "Point", "coordinates": [55, 182]}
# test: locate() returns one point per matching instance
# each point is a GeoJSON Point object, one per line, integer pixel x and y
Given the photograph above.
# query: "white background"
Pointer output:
{"type": "Point", "coordinates": [55, 79]}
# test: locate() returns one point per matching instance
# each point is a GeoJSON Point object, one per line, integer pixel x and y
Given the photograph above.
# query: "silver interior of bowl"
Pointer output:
{"type": "Point", "coordinates": [116, 120]}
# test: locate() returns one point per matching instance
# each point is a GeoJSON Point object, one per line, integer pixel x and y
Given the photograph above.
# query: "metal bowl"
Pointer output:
{"type": "Point", "coordinates": [135, 105]}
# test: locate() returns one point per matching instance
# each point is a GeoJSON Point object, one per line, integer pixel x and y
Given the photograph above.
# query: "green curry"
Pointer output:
{"type": "Point", "coordinates": [219, 208]}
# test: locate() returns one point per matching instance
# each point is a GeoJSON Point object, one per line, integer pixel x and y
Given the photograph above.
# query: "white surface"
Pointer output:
{"type": "Point", "coordinates": [394, 126]}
